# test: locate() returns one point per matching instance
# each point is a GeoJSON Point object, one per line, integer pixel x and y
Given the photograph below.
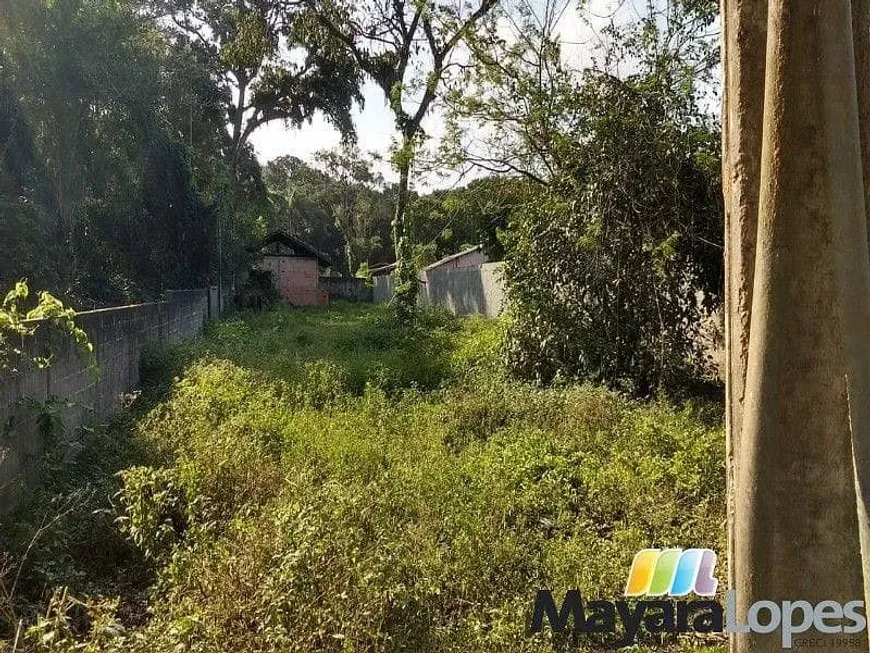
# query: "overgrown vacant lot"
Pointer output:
{"type": "Point", "coordinates": [327, 481]}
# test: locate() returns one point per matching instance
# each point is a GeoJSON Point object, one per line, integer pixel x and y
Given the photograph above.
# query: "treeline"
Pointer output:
{"type": "Point", "coordinates": [116, 165]}
{"type": "Point", "coordinates": [118, 174]}
{"type": "Point", "coordinates": [126, 167]}
{"type": "Point", "coordinates": [345, 209]}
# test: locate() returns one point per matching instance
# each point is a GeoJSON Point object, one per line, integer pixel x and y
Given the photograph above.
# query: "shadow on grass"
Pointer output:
{"type": "Point", "coordinates": [362, 340]}
{"type": "Point", "coordinates": [66, 534]}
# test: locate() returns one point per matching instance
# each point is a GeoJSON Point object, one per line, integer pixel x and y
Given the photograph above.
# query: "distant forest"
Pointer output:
{"type": "Point", "coordinates": [118, 172]}
{"type": "Point", "coordinates": [126, 166]}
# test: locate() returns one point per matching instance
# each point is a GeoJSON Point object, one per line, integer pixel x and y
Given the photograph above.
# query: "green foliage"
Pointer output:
{"type": "Point", "coordinates": [523, 79]}
{"type": "Point", "coordinates": [612, 266]}
{"type": "Point", "coordinates": [17, 324]}
{"type": "Point", "coordinates": [448, 221]}
{"type": "Point", "coordinates": [67, 574]}
{"type": "Point", "coordinates": [56, 631]}
{"type": "Point", "coordinates": [372, 347]}
{"type": "Point", "coordinates": [26, 207]}
{"type": "Point", "coordinates": [345, 209]}
{"type": "Point", "coordinates": [414, 520]}
{"type": "Point", "coordinates": [362, 206]}
{"type": "Point", "coordinates": [341, 207]}
{"type": "Point", "coordinates": [365, 272]}
{"type": "Point", "coordinates": [273, 60]}
{"type": "Point", "coordinates": [116, 166]}
{"type": "Point", "coordinates": [154, 509]}
{"type": "Point", "coordinates": [405, 47]}
{"type": "Point", "coordinates": [311, 487]}
{"type": "Point", "coordinates": [615, 255]}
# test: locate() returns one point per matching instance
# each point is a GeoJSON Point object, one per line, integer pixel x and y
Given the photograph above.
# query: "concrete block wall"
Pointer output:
{"type": "Point", "coordinates": [119, 335]}
{"type": "Point", "coordinates": [350, 288]}
{"type": "Point", "coordinates": [465, 290]}
{"type": "Point", "coordinates": [382, 291]}
{"type": "Point", "coordinates": [462, 290]}
{"type": "Point", "coordinates": [214, 301]}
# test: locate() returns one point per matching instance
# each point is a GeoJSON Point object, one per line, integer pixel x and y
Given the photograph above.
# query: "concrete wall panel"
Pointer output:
{"type": "Point", "coordinates": [119, 335]}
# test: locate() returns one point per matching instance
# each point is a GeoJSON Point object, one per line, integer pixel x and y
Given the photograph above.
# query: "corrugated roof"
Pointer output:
{"type": "Point", "coordinates": [447, 259]}
{"type": "Point", "coordinates": [295, 243]}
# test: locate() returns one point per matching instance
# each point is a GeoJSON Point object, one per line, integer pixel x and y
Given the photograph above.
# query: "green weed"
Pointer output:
{"type": "Point", "coordinates": [332, 481]}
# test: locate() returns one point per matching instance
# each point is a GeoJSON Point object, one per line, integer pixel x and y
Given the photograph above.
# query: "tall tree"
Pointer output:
{"type": "Point", "coordinates": [405, 46]}
{"type": "Point", "coordinates": [622, 226]}
{"type": "Point", "coordinates": [303, 197]}
{"type": "Point", "coordinates": [359, 207]}
{"type": "Point", "coordinates": [516, 88]}
{"type": "Point", "coordinates": [274, 65]}
{"type": "Point", "coordinates": [129, 134]}
{"type": "Point", "coordinates": [340, 207]}
{"type": "Point", "coordinates": [27, 211]}
{"type": "Point", "coordinates": [509, 111]}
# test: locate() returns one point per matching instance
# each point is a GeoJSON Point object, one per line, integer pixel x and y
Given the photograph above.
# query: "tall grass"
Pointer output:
{"type": "Point", "coordinates": [331, 481]}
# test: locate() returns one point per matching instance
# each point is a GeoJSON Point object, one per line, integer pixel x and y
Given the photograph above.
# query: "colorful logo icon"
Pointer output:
{"type": "Point", "coordinates": [673, 572]}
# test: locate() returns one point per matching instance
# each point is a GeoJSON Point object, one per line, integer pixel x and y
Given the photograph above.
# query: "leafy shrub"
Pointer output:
{"type": "Point", "coordinates": [70, 625]}
{"type": "Point", "coordinates": [284, 509]}
{"type": "Point", "coordinates": [17, 324]}
{"type": "Point", "coordinates": [154, 509]}
{"type": "Point", "coordinates": [336, 518]}
{"type": "Point", "coordinates": [611, 267]}
{"type": "Point", "coordinates": [375, 535]}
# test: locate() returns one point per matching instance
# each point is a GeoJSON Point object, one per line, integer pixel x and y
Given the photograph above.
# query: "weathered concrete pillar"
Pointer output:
{"type": "Point", "coordinates": [743, 47]}
{"type": "Point", "coordinates": [858, 315]}
{"type": "Point", "coordinates": [798, 326]}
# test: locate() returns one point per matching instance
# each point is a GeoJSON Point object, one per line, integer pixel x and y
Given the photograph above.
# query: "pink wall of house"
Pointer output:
{"type": "Point", "coordinates": [296, 279]}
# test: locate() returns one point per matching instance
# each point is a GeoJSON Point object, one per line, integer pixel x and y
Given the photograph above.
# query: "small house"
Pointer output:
{"type": "Point", "coordinates": [295, 267]}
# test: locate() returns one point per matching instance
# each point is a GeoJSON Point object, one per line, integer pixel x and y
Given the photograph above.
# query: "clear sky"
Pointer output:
{"type": "Point", "coordinates": [374, 125]}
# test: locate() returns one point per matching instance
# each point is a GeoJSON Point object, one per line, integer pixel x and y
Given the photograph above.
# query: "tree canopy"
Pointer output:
{"type": "Point", "coordinates": [266, 54]}
{"type": "Point", "coordinates": [405, 47]}
{"type": "Point", "coordinates": [127, 166]}
{"type": "Point", "coordinates": [615, 258]}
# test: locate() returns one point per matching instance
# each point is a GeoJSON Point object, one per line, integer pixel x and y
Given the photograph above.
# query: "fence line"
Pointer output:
{"type": "Point", "coordinates": [119, 335]}
{"type": "Point", "coordinates": [475, 290]}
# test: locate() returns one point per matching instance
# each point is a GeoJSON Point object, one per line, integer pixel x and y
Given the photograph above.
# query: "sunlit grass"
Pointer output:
{"type": "Point", "coordinates": [330, 481]}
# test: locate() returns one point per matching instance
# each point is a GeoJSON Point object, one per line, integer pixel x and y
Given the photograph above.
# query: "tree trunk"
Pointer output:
{"type": "Point", "coordinates": [239, 117]}
{"type": "Point", "coordinates": [859, 323]}
{"type": "Point", "coordinates": [798, 314]}
{"type": "Point", "coordinates": [405, 275]}
{"type": "Point", "coordinates": [743, 50]}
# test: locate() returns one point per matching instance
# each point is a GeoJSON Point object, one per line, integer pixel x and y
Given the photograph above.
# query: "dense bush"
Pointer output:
{"type": "Point", "coordinates": [612, 267]}
{"type": "Point", "coordinates": [329, 481]}
{"type": "Point", "coordinates": [115, 163]}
